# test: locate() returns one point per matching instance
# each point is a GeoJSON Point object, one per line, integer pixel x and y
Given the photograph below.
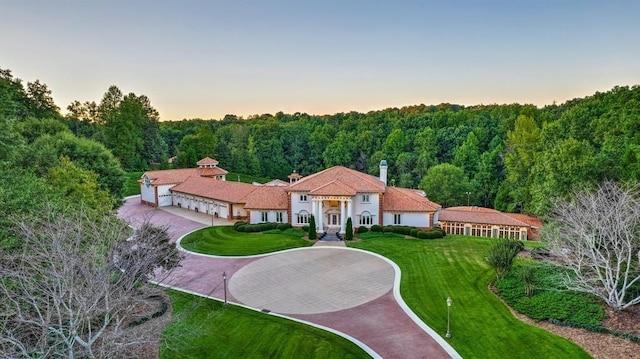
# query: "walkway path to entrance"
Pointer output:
{"type": "Point", "coordinates": [353, 292]}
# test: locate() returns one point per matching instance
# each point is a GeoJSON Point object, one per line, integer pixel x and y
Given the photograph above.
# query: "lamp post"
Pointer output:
{"type": "Point", "coordinates": [468, 198]}
{"type": "Point", "coordinates": [449, 301]}
{"type": "Point", "coordinates": [224, 280]}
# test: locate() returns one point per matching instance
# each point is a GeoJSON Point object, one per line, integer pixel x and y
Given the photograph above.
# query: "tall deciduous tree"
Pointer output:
{"type": "Point", "coordinates": [597, 235]}
{"type": "Point", "coordinates": [446, 184]}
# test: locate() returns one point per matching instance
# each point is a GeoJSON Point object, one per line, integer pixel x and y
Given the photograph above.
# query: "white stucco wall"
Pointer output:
{"type": "Point", "coordinates": [147, 193]}
{"type": "Point", "coordinates": [417, 219]}
{"type": "Point", "coordinates": [373, 207]}
{"type": "Point", "coordinates": [256, 216]}
{"type": "Point", "coordinates": [297, 206]}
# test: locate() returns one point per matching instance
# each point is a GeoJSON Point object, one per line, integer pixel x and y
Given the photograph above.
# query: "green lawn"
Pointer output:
{"type": "Point", "coordinates": [206, 329]}
{"type": "Point", "coordinates": [131, 185]}
{"type": "Point", "coordinates": [482, 327]}
{"type": "Point", "coordinates": [225, 241]}
{"type": "Point", "coordinates": [233, 177]}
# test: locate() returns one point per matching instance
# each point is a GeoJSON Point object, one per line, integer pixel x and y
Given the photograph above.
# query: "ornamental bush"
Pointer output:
{"type": "Point", "coordinates": [363, 229]}
{"type": "Point", "coordinates": [376, 228]}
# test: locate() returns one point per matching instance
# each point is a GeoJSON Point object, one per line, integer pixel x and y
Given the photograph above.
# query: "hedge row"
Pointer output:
{"type": "Point", "coordinates": [242, 226]}
{"type": "Point", "coordinates": [407, 231]}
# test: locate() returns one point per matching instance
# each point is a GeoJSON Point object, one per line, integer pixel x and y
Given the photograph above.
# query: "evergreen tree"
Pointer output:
{"type": "Point", "coordinates": [349, 230]}
{"type": "Point", "coordinates": [312, 228]}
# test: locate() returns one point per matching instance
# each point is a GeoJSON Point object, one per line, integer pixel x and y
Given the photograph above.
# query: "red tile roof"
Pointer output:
{"type": "Point", "coordinates": [360, 182]}
{"type": "Point", "coordinates": [333, 188]}
{"type": "Point", "coordinates": [170, 176]}
{"type": "Point", "coordinates": [211, 171]}
{"type": "Point", "coordinates": [231, 192]}
{"type": "Point", "coordinates": [530, 220]}
{"type": "Point", "coordinates": [267, 197]}
{"type": "Point", "coordinates": [207, 161]}
{"type": "Point", "coordinates": [407, 200]}
{"type": "Point", "coordinates": [479, 215]}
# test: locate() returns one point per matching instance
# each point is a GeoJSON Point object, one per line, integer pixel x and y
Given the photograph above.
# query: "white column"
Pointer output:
{"type": "Point", "coordinates": [314, 208]}
{"type": "Point", "coordinates": [350, 213]}
{"type": "Point", "coordinates": [319, 218]}
{"type": "Point", "coordinates": [342, 219]}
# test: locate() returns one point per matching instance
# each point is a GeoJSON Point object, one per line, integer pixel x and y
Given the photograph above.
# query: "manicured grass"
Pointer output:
{"type": "Point", "coordinates": [225, 241]}
{"type": "Point", "coordinates": [207, 329]}
{"type": "Point", "coordinates": [482, 327]}
{"type": "Point", "coordinates": [131, 185]}
{"type": "Point", "coordinates": [233, 177]}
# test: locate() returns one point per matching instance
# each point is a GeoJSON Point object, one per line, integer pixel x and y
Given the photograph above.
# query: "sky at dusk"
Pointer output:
{"type": "Point", "coordinates": [205, 59]}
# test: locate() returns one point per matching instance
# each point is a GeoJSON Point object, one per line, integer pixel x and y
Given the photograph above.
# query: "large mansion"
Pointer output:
{"type": "Point", "coordinates": [331, 196]}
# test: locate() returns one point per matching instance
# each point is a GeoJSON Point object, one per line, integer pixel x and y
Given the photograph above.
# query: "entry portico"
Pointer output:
{"type": "Point", "coordinates": [334, 217]}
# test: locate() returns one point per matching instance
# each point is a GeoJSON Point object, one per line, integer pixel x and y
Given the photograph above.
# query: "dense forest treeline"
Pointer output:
{"type": "Point", "coordinates": [511, 157]}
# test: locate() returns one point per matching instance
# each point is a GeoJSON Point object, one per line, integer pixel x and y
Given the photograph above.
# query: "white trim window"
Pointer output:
{"type": "Point", "coordinates": [365, 198]}
{"type": "Point", "coordinates": [264, 216]}
{"type": "Point", "coordinates": [303, 217]}
{"type": "Point", "coordinates": [303, 198]}
{"type": "Point", "coordinates": [366, 219]}
{"type": "Point", "coordinates": [397, 218]}
{"type": "Point", "coordinates": [279, 217]}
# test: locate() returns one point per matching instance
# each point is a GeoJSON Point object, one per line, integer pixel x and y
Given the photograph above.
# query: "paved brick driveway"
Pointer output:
{"type": "Point", "coordinates": [350, 291]}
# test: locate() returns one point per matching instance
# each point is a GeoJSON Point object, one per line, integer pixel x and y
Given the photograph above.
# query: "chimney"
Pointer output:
{"type": "Point", "coordinates": [383, 171]}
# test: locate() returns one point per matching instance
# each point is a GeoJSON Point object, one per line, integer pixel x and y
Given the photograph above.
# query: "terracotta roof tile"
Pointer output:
{"type": "Point", "coordinates": [333, 188]}
{"type": "Point", "coordinates": [170, 176]}
{"type": "Point", "coordinates": [231, 192]}
{"type": "Point", "coordinates": [407, 200]}
{"type": "Point", "coordinates": [530, 220]}
{"type": "Point", "coordinates": [211, 171]}
{"type": "Point", "coordinates": [360, 182]}
{"type": "Point", "coordinates": [267, 197]}
{"type": "Point", "coordinates": [479, 215]}
{"type": "Point", "coordinates": [207, 161]}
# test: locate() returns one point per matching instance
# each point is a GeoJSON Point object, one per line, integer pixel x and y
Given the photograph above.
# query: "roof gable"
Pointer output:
{"type": "Point", "coordinates": [358, 181]}
{"type": "Point", "coordinates": [333, 188]}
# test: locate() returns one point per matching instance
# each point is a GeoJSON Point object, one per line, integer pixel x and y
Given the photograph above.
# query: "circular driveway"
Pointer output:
{"type": "Point", "coordinates": [312, 280]}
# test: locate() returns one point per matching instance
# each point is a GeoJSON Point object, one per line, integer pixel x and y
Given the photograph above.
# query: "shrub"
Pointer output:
{"type": "Point", "coordinates": [362, 229]}
{"type": "Point", "coordinates": [433, 234]}
{"type": "Point", "coordinates": [376, 228]}
{"type": "Point", "coordinates": [422, 235]}
{"type": "Point", "coordinates": [414, 232]}
{"type": "Point", "coordinates": [501, 255]}
{"type": "Point", "coordinates": [283, 226]}
{"type": "Point", "coordinates": [547, 303]}
{"type": "Point", "coordinates": [305, 228]}
{"type": "Point", "coordinates": [387, 229]}
{"type": "Point", "coordinates": [240, 227]}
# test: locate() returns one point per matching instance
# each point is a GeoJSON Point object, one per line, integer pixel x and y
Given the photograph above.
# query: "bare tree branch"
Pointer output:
{"type": "Point", "coordinates": [598, 237]}
{"type": "Point", "coordinates": [77, 287]}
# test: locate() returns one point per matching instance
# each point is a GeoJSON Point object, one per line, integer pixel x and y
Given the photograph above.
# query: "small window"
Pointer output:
{"type": "Point", "coordinates": [278, 216]}
{"type": "Point", "coordinates": [264, 216]}
{"type": "Point", "coordinates": [397, 218]}
{"type": "Point", "coordinates": [303, 218]}
{"type": "Point", "coordinates": [365, 198]}
{"type": "Point", "coordinates": [303, 198]}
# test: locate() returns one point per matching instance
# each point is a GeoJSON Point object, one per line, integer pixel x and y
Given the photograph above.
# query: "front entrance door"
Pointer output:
{"type": "Point", "coordinates": [334, 219]}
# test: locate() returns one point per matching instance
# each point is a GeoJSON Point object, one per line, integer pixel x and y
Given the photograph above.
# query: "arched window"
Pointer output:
{"type": "Point", "coordinates": [366, 219]}
{"type": "Point", "coordinates": [303, 217]}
